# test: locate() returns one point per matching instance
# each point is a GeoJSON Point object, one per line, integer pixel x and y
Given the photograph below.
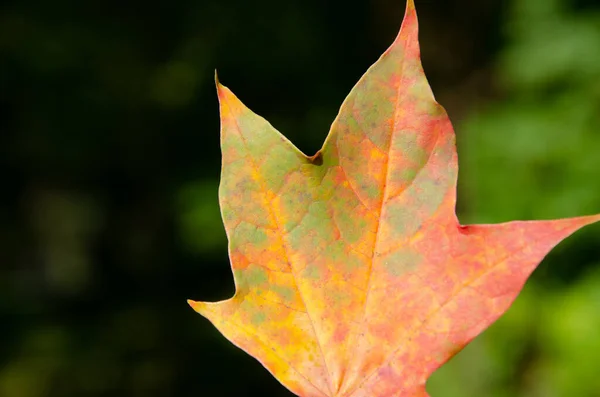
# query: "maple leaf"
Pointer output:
{"type": "Point", "coordinates": [353, 275]}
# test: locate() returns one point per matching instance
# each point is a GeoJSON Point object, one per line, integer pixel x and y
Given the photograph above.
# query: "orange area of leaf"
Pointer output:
{"type": "Point", "coordinates": [353, 275]}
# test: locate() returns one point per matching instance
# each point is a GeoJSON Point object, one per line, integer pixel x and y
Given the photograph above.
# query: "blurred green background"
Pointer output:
{"type": "Point", "coordinates": [110, 161]}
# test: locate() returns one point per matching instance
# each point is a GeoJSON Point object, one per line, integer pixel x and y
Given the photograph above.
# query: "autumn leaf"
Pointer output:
{"type": "Point", "coordinates": [353, 275]}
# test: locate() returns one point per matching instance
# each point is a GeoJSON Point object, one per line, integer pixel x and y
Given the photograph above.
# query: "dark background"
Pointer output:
{"type": "Point", "coordinates": [109, 159]}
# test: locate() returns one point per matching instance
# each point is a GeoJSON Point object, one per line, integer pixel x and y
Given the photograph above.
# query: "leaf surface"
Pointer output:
{"type": "Point", "coordinates": [353, 275]}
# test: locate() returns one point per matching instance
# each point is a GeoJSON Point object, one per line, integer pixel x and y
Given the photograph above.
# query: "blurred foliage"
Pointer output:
{"type": "Point", "coordinates": [549, 116]}
{"type": "Point", "coordinates": [109, 154]}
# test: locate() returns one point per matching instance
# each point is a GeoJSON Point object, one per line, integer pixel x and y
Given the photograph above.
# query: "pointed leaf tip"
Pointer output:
{"type": "Point", "coordinates": [410, 25]}
{"type": "Point", "coordinates": [590, 219]}
{"type": "Point", "coordinates": [220, 87]}
{"type": "Point", "coordinates": [411, 10]}
{"type": "Point", "coordinates": [223, 92]}
{"type": "Point", "coordinates": [192, 303]}
{"type": "Point", "coordinates": [199, 307]}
